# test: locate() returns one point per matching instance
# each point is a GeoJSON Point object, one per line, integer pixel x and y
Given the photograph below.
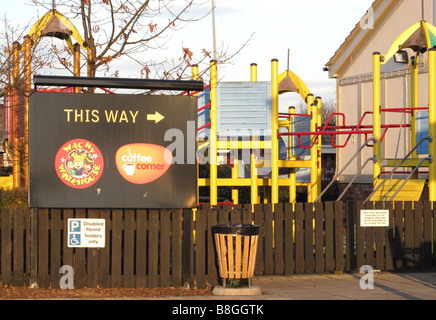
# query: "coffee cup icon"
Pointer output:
{"type": "Point", "coordinates": [129, 168]}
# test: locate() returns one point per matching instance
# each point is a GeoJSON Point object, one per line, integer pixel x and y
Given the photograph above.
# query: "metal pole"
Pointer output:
{"type": "Point", "coordinates": [292, 174]}
{"type": "Point", "coordinates": [213, 28]}
{"type": "Point", "coordinates": [27, 87]}
{"type": "Point", "coordinates": [274, 132]}
{"type": "Point", "coordinates": [432, 122]}
{"type": "Point", "coordinates": [414, 101]}
{"type": "Point", "coordinates": [15, 140]}
{"type": "Point", "coordinates": [213, 134]}
{"type": "Point", "coordinates": [376, 114]}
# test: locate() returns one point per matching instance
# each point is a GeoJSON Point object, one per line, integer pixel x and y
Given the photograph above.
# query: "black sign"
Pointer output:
{"type": "Point", "coordinates": [112, 151]}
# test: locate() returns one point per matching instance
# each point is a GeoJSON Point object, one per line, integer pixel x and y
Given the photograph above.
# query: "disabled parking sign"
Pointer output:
{"type": "Point", "coordinates": [86, 233]}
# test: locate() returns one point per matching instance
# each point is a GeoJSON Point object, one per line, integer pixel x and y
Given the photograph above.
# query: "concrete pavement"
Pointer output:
{"type": "Point", "coordinates": [346, 286]}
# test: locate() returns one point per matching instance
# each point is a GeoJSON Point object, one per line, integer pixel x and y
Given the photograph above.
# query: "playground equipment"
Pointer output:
{"type": "Point", "coordinates": [420, 38]}
{"type": "Point", "coordinates": [255, 143]}
{"type": "Point", "coordinates": [52, 24]}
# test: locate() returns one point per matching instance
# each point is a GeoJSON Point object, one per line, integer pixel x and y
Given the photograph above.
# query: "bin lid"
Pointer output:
{"type": "Point", "coordinates": [237, 229]}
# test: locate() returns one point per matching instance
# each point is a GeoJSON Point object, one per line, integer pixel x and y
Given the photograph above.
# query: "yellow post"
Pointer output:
{"type": "Point", "coordinates": [414, 103]}
{"type": "Point", "coordinates": [253, 175]}
{"type": "Point", "coordinates": [15, 143]}
{"type": "Point", "coordinates": [235, 175]}
{"type": "Point", "coordinates": [213, 134]}
{"type": "Point", "coordinates": [313, 111]}
{"type": "Point", "coordinates": [376, 114]}
{"type": "Point", "coordinates": [432, 122]}
{"type": "Point", "coordinates": [27, 87]}
{"type": "Point", "coordinates": [292, 174]}
{"type": "Point", "coordinates": [274, 131]}
{"type": "Point", "coordinates": [253, 72]}
{"type": "Point", "coordinates": [319, 151]}
{"type": "Point", "coordinates": [77, 64]}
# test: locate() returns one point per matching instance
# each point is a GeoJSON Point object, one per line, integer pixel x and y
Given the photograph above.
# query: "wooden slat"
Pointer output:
{"type": "Point", "coordinates": [252, 258]}
{"type": "Point", "coordinates": [223, 254]}
{"type": "Point", "coordinates": [329, 237]}
{"type": "Point", "coordinates": [6, 246]}
{"type": "Point", "coordinates": [259, 220]}
{"type": "Point", "coordinates": [360, 238]}
{"type": "Point", "coordinates": [319, 238]}
{"type": "Point", "coordinates": [219, 255]}
{"type": "Point", "coordinates": [55, 245]}
{"type": "Point", "coordinates": [409, 239]}
{"type": "Point", "coordinates": [177, 247]}
{"type": "Point", "coordinates": [339, 237]}
{"type": "Point", "coordinates": [43, 249]}
{"type": "Point", "coordinates": [141, 248]}
{"type": "Point", "coordinates": [18, 252]}
{"type": "Point", "coordinates": [380, 262]}
{"type": "Point", "coordinates": [398, 236]}
{"type": "Point", "coordinates": [153, 254]}
{"type": "Point", "coordinates": [389, 234]}
{"type": "Point", "coordinates": [427, 246]}
{"type": "Point", "coordinates": [129, 249]}
{"type": "Point", "coordinates": [269, 258]}
{"type": "Point", "coordinates": [289, 239]}
{"type": "Point", "coordinates": [117, 216]}
{"type": "Point", "coordinates": [308, 235]}
{"type": "Point", "coordinates": [93, 271]}
{"type": "Point", "coordinates": [278, 239]}
{"type": "Point", "coordinates": [238, 257]}
{"type": "Point", "coordinates": [246, 256]}
{"type": "Point", "coordinates": [230, 256]}
{"type": "Point", "coordinates": [104, 253]}
{"type": "Point", "coordinates": [418, 235]}
{"type": "Point", "coordinates": [200, 248]}
{"type": "Point", "coordinates": [299, 238]}
{"type": "Point", "coordinates": [212, 271]}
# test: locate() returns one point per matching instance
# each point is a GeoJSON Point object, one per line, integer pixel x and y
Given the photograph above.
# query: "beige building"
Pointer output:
{"type": "Point", "coordinates": [352, 67]}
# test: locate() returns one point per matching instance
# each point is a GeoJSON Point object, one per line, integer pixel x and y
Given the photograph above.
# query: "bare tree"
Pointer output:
{"type": "Point", "coordinates": [328, 107]}
{"type": "Point", "coordinates": [133, 29]}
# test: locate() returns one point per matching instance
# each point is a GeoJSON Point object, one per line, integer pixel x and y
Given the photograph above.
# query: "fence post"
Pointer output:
{"type": "Point", "coordinates": [33, 212]}
{"type": "Point", "coordinates": [187, 265]}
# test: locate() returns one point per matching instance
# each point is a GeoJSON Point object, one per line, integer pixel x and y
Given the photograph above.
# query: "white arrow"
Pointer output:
{"type": "Point", "coordinates": [156, 117]}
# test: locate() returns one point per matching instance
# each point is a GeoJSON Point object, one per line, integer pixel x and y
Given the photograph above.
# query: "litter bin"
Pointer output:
{"type": "Point", "coordinates": [236, 247]}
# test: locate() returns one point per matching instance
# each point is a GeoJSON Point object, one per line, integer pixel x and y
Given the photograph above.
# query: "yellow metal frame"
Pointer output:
{"type": "Point", "coordinates": [275, 181]}
{"type": "Point", "coordinates": [29, 40]}
{"type": "Point", "coordinates": [378, 60]}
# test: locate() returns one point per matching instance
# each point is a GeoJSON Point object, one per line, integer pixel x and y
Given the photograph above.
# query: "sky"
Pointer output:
{"type": "Point", "coordinates": [312, 31]}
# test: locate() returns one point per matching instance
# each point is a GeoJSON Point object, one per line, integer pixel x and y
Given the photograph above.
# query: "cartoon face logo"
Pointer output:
{"type": "Point", "coordinates": [79, 164]}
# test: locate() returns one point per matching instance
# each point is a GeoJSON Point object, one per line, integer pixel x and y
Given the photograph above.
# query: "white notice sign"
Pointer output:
{"type": "Point", "coordinates": [374, 218]}
{"type": "Point", "coordinates": [86, 233]}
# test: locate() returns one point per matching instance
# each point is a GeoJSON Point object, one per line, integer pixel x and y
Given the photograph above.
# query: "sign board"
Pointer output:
{"type": "Point", "coordinates": [86, 233]}
{"type": "Point", "coordinates": [112, 151]}
{"type": "Point", "coordinates": [374, 218]}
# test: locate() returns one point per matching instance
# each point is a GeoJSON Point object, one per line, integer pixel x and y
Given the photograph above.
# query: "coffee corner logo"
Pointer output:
{"type": "Point", "coordinates": [141, 163]}
{"type": "Point", "coordinates": [79, 163]}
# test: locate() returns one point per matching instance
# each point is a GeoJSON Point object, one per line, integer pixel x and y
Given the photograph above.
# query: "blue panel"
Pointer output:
{"type": "Point", "coordinates": [422, 131]}
{"type": "Point", "coordinates": [244, 109]}
{"type": "Point", "coordinates": [300, 124]}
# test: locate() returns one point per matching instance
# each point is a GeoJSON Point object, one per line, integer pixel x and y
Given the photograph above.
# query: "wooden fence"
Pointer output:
{"type": "Point", "coordinates": [161, 248]}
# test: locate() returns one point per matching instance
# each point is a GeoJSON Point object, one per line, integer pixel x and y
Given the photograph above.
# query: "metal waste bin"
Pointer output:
{"type": "Point", "coordinates": [236, 248]}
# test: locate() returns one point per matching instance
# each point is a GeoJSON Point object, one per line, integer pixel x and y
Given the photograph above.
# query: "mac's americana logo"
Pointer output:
{"type": "Point", "coordinates": [79, 163]}
{"type": "Point", "coordinates": [142, 163]}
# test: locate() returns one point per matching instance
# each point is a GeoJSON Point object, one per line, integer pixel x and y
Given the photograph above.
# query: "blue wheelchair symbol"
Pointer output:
{"type": "Point", "coordinates": [74, 240]}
